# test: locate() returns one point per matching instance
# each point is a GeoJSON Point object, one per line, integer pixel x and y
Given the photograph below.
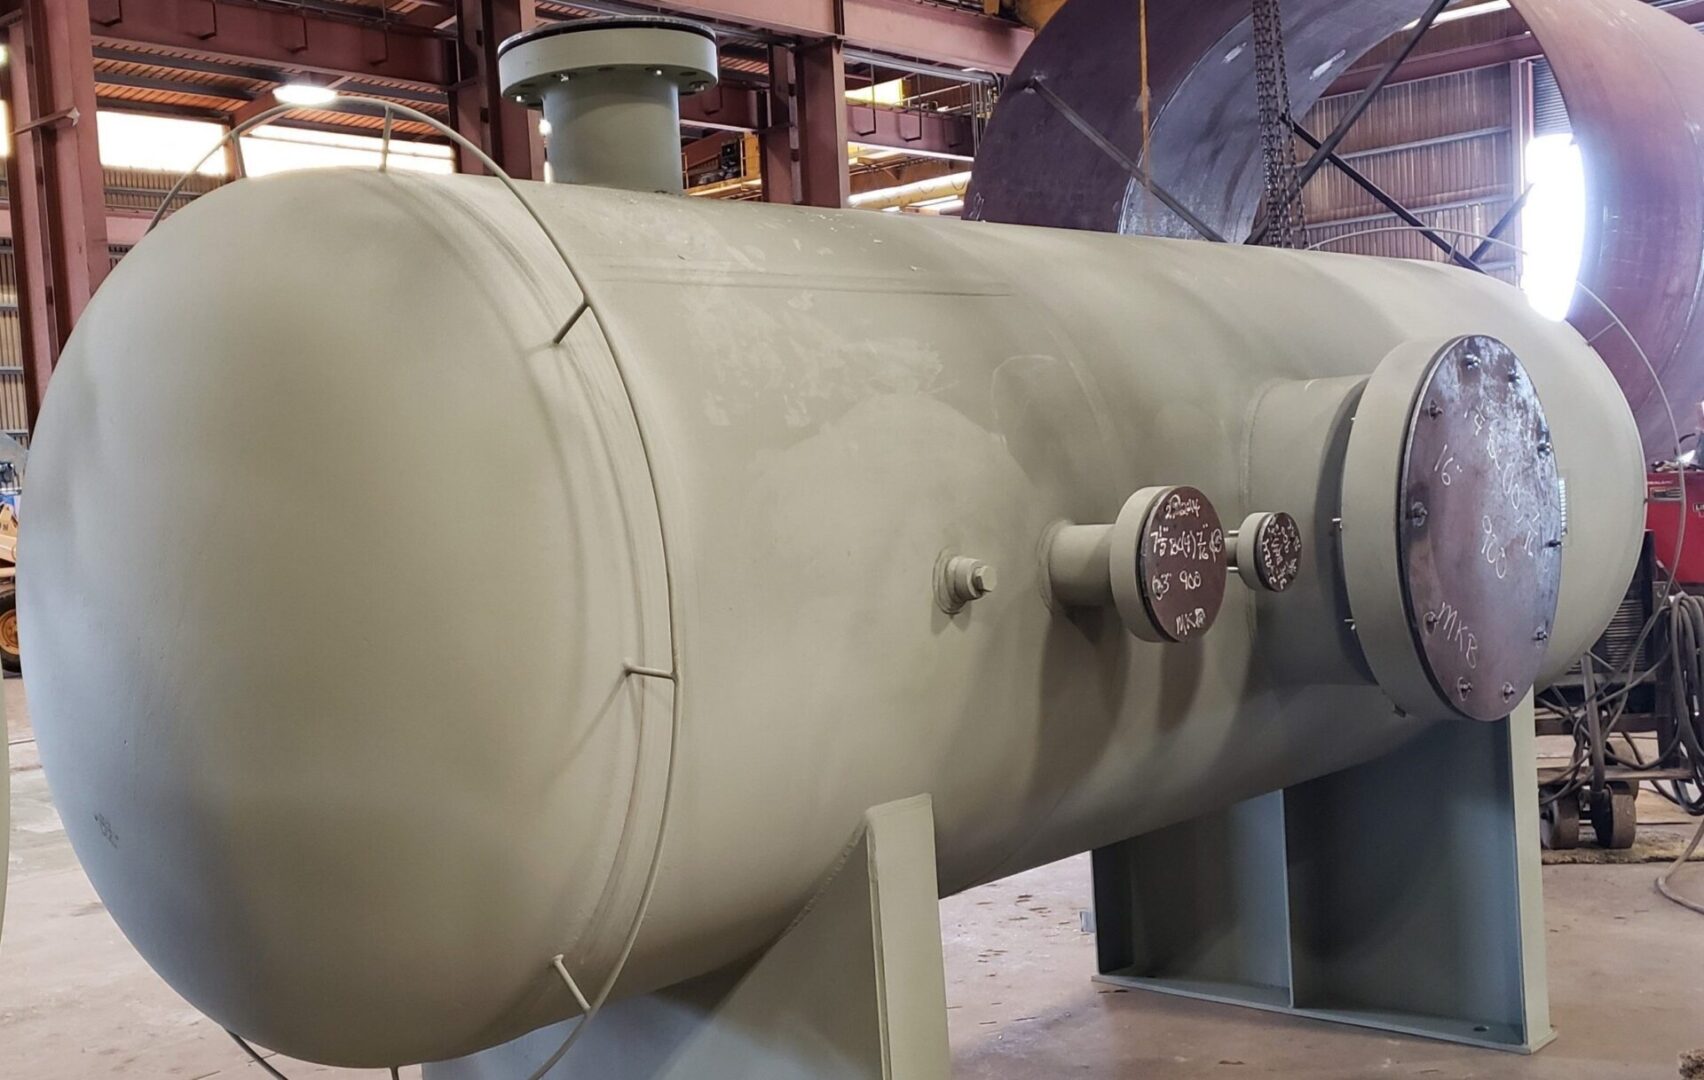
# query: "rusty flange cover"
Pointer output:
{"type": "Point", "coordinates": [1267, 551]}
{"type": "Point", "coordinates": [1180, 564]}
{"type": "Point", "coordinates": [1479, 532]}
{"type": "Point", "coordinates": [1451, 529]}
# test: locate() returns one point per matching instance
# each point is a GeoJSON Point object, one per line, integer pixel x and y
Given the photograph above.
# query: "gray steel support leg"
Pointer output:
{"type": "Point", "coordinates": [855, 990]}
{"type": "Point", "coordinates": [1403, 894]}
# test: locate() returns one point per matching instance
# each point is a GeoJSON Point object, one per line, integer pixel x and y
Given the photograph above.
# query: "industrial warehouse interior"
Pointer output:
{"type": "Point", "coordinates": [852, 539]}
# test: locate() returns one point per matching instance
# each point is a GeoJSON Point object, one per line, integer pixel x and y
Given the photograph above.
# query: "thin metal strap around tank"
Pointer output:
{"type": "Point", "coordinates": [672, 674]}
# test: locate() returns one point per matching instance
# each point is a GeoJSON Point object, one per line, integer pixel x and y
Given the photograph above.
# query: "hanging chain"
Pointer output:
{"type": "Point", "coordinates": [1146, 101]}
{"type": "Point", "coordinates": [1286, 220]}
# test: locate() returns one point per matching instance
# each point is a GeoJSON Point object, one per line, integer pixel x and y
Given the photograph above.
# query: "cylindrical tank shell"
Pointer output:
{"type": "Point", "coordinates": [334, 575]}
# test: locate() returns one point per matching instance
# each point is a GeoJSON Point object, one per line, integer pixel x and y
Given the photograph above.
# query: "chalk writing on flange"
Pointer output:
{"type": "Point", "coordinates": [1448, 624]}
{"type": "Point", "coordinates": [1182, 563]}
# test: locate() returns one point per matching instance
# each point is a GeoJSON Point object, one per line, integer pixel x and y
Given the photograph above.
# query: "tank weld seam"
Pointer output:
{"type": "Point", "coordinates": [630, 668]}
{"type": "Point", "coordinates": [833, 871]}
{"type": "Point", "coordinates": [584, 305]}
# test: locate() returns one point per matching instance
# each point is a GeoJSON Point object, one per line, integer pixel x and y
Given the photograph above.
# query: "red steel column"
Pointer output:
{"type": "Point", "coordinates": [778, 142]}
{"type": "Point", "coordinates": [503, 129]}
{"type": "Point", "coordinates": [35, 321]}
{"type": "Point", "coordinates": [58, 200]}
{"type": "Point", "coordinates": [824, 179]}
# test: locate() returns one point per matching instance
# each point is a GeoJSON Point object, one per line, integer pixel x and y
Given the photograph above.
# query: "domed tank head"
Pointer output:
{"type": "Point", "coordinates": [329, 595]}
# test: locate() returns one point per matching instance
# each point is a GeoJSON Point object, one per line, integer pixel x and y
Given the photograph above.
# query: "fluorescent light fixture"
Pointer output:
{"type": "Point", "coordinates": [886, 93]}
{"type": "Point", "coordinates": [305, 94]}
{"type": "Point", "coordinates": [1467, 12]}
{"type": "Point", "coordinates": [870, 152]}
{"type": "Point", "coordinates": [936, 189]}
{"type": "Point", "coordinates": [880, 154]}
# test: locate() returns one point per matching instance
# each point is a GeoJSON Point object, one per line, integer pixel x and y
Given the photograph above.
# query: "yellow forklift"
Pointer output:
{"type": "Point", "coordinates": [12, 458]}
{"type": "Point", "coordinates": [9, 657]}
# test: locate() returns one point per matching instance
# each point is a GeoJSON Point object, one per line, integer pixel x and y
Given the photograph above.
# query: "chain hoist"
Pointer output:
{"type": "Point", "coordinates": [1282, 210]}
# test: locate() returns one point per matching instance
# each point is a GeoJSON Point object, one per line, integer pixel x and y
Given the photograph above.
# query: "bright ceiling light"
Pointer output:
{"type": "Point", "coordinates": [1466, 12]}
{"type": "Point", "coordinates": [885, 93]}
{"type": "Point", "coordinates": [306, 94]}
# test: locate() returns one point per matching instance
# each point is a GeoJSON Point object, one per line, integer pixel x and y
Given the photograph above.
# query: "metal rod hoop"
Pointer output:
{"type": "Point", "coordinates": [388, 108]}
{"type": "Point", "coordinates": [230, 138]}
{"type": "Point", "coordinates": [1503, 223]}
{"type": "Point", "coordinates": [654, 867]}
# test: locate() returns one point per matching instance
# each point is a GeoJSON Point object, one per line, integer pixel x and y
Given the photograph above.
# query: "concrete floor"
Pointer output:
{"type": "Point", "coordinates": [1626, 978]}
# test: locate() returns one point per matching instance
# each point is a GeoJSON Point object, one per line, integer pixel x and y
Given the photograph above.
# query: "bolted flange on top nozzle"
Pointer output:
{"type": "Point", "coordinates": [610, 89]}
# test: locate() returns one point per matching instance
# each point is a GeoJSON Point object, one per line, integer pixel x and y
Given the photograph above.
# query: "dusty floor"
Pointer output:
{"type": "Point", "coordinates": [1626, 977]}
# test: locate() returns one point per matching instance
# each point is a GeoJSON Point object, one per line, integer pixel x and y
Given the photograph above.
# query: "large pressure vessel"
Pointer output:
{"type": "Point", "coordinates": [339, 571]}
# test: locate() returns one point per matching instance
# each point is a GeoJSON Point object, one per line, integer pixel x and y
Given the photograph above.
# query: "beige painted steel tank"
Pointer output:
{"type": "Point", "coordinates": [339, 570]}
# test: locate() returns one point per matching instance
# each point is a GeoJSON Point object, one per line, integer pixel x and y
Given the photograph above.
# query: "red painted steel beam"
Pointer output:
{"type": "Point", "coordinates": [778, 139]}
{"type": "Point", "coordinates": [730, 108]}
{"type": "Point", "coordinates": [724, 108]}
{"type": "Point", "coordinates": [824, 176]}
{"type": "Point", "coordinates": [254, 34]}
{"type": "Point", "coordinates": [58, 202]}
{"type": "Point", "coordinates": [1503, 50]}
{"type": "Point", "coordinates": [315, 41]}
{"type": "Point", "coordinates": [478, 109]}
{"type": "Point", "coordinates": [1445, 62]}
{"type": "Point", "coordinates": [249, 110]}
{"type": "Point", "coordinates": [930, 134]}
{"type": "Point", "coordinates": [124, 228]}
{"type": "Point", "coordinates": [24, 217]}
{"type": "Point", "coordinates": [900, 27]}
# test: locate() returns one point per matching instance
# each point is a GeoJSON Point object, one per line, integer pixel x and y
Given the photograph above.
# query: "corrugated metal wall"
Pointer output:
{"type": "Point", "coordinates": [1444, 147]}
{"type": "Point", "coordinates": [12, 414]}
{"type": "Point", "coordinates": [128, 191]}
{"type": "Point", "coordinates": [1549, 111]}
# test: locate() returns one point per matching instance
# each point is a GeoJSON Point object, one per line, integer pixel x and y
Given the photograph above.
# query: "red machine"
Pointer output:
{"type": "Point", "coordinates": [1673, 495]}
